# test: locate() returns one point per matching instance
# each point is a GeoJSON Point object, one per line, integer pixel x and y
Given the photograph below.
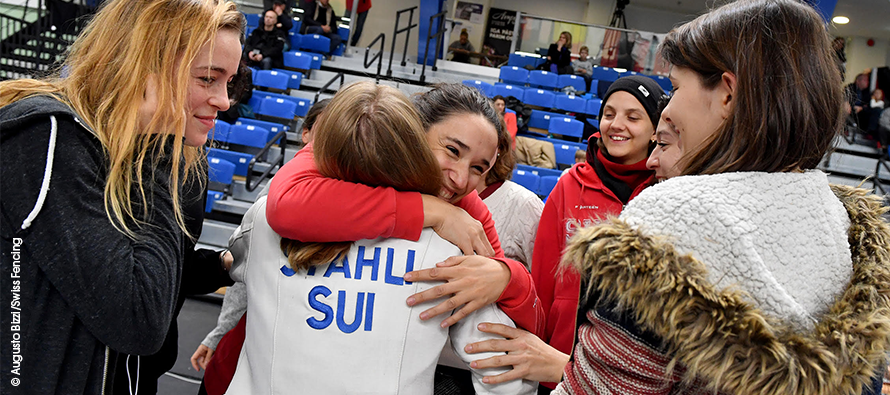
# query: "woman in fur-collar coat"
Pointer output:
{"type": "Point", "coordinates": [749, 274]}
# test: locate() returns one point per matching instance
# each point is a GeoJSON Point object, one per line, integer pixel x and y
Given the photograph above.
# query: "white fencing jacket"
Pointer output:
{"type": "Point", "coordinates": [344, 328]}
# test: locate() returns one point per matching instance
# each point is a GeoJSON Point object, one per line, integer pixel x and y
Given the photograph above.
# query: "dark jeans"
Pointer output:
{"type": "Point", "coordinates": [358, 26]}
{"type": "Point", "coordinates": [335, 38]}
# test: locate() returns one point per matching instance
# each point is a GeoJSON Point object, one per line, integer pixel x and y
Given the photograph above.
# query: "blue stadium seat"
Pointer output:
{"type": "Point", "coordinates": [343, 31]}
{"type": "Point", "coordinates": [527, 179]}
{"type": "Point", "coordinates": [296, 28]}
{"type": "Point", "coordinates": [255, 102]}
{"type": "Point", "coordinates": [565, 127]}
{"type": "Point", "coordinates": [212, 197]}
{"type": "Point", "coordinates": [294, 78]}
{"type": "Point", "coordinates": [593, 106]}
{"type": "Point", "coordinates": [272, 79]}
{"type": "Point", "coordinates": [482, 86]}
{"type": "Point", "coordinates": [541, 119]}
{"type": "Point", "coordinates": [543, 79]}
{"type": "Point", "coordinates": [571, 103]}
{"type": "Point", "coordinates": [522, 60]}
{"type": "Point", "coordinates": [219, 172]}
{"type": "Point", "coordinates": [539, 171]}
{"type": "Point", "coordinates": [220, 131]}
{"type": "Point", "coordinates": [296, 39]}
{"type": "Point", "coordinates": [253, 19]}
{"type": "Point", "coordinates": [546, 185]}
{"type": "Point", "coordinates": [539, 97]}
{"type": "Point", "coordinates": [240, 160]}
{"type": "Point", "coordinates": [627, 73]}
{"type": "Point", "coordinates": [248, 139]}
{"type": "Point", "coordinates": [316, 60]}
{"type": "Point", "coordinates": [663, 82]}
{"type": "Point", "coordinates": [574, 81]}
{"type": "Point", "coordinates": [595, 123]}
{"type": "Point", "coordinates": [565, 153]}
{"type": "Point", "coordinates": [604, 74]}
{"type": "Point", "coordinates": [316, 43]}
{"type": "Point", "coordinates": [278, 108]}
{"type": "Point", "coordinates": [270, 126]}
{"type": "Point", "coordinates": [514, 75]}
{"type": "Point", "coordinates": [296, 60]}
{"type": "Point", "coordinates": [507, 90]}
{"type": "Point", "coordinates": [273, 95]}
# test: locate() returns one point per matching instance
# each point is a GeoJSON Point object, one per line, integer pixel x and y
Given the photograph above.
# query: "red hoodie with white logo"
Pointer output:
{"type": "Point", "coordinates": [579, 199]}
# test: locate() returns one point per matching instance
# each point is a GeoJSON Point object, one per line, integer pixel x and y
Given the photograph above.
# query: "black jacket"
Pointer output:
{"type": "Point", "coordinates": [270, 43]}
{"type": "Point", "coordinates": [76, 291]}
{"type": "Point", "coordinates": [319, 18]}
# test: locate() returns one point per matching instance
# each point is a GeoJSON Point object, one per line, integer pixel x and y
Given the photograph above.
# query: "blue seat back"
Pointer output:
{"type": "Point", "coordinates": [294, 78]}
{"type": "Point", "coordinates": [522, 60]}
{"type": "Point", "coordinates": [604, 74]}
{"type": "Point", "coordinates": [527, 179]}
{"type": "Point", "coordinates": [316, 43]}
{"type": "Point", "coordinates": [539, 171]}
{"type": "Point", "coordinates": [565, 153]}
{"type": "Point", "coordinates": [296, 39]}
{"type": "Point", "coordinates": [220, 170]}
{"type": "Point", "coordinates": [566, 127]}
{"type": "Point", "coordinates": [303, 106]}
{"type": "Point", "coordinates": [514, 75]}
{"type": "Point", "coordinates": [573, 81]}
{"type": "Point", "coordinates": [593, 106]}
{"type": "Point", "coordinates": [220, 131]}
{"type": "Point", "coordinates": [543, 79]}
{"type": "Point", "coordinates": [482, 86]}
{"type": "Point", "coordinates": [297, 60]}
{"type": "Point", "coordinates": [249, 135]}
{"type": "Point", "coordinates": [253, 19]}
{"type": "Point", "coordinates": [541, 119]}
{"type": "Point", "coordinates": [212, 197]}
{"type": "Point", "coordinates": [663, 82]}
{"type": "Point", "coordinates": [546, 185]}
{"type": "Point", "coordinates": [241, 160]}
{"type": "Point", "coordinates": [270, 126]}
{"type": "Point", "coordinates": [271, 79]}
{"type": "Point", "coordinates": [296, 27]}
{"type": "Point", "coordinates": [343, 31]}
{"type": "Point", "coordinates": [255, 102]}
{"type": "Point", "coordinates": [571, 103]}
{"type": "Point", "coordinates": [507, 90]}
{"type": "Point", "coordinates": [539, 97]}
{"type": "Point", "coordinates": [627, 73]}
{"type": "Point", "coordinates": [278, 107]}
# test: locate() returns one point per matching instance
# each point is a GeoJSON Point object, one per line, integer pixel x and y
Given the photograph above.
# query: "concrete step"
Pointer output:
{"type": "Point", "coordinates": [216, 234]}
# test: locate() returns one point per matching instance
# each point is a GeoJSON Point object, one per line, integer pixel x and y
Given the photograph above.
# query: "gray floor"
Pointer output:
{"type": "Point", "coordinates": [196, 319]}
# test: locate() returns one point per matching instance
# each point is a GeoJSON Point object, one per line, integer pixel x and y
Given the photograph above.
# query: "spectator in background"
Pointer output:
{"type": "Point", "coordinates": [285, 21]}
{"type": "Point", "coordinates": [583, 67]}
{"type": "Point", "coordinates": [877, 99]}
{"type": "Point", "coordinates": [559, 55]}
{"type": "Point", "coordinates": [320, 19]}
{"type": "Point", "coordinates": [580, 157]}
{"type": "Point", "coordinates": [515, 210]}
{"type": "Point", "coordinates": [461, 48]}
{"type": "Point", "coordinates": [500, 104]}
{"type": "Point", "coordinates": [264, 48]}
{"type": "Point", "coordinates": [359, 20]}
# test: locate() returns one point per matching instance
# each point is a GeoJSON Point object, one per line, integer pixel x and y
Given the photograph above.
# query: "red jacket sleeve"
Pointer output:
{"type": "Point", "coordinates": [306, 206]}
{"type": "Point", "coordinates": [549, 243]}
{"type": "Point", "coordinates": [519, 300]}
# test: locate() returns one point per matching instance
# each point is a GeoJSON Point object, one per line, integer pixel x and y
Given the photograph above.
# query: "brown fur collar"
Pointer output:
{"type": "Point", "coordinates": [719, 336]}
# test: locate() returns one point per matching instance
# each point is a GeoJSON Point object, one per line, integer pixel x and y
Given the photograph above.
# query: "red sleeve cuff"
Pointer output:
{"type": "Point", "coordinates": [409, 216]}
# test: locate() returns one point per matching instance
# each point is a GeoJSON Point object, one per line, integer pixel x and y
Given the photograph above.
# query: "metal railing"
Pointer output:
{"type": "Point", "coordinates": [395, 33]}
{"type": "Point", "coordinates": [378, 58]}
{"type": "Point", "coordinates": [320, 90]}
{"type": "Point", "coordinates": [281, 138]}
{"type": "Point", "coordinates": [438, 35]}
{"type": "Point", "coordinates": [876, 179]}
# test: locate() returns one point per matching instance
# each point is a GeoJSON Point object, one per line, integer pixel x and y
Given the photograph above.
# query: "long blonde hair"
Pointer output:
{"type": "Point", "coordinates": [105, 77]}
{"type": "Point", "coordinates": [369, 134]}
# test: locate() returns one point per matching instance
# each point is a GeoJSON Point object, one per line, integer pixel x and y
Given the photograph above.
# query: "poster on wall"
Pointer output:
{"type": "Point", "coordinates": [499, 31]}
{"type": "Point", "coordinates": [468, 11]}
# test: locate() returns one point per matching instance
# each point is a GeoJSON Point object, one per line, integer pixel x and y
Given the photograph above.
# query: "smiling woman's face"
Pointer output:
{"type": "Point", "coordinates": [466, 147]}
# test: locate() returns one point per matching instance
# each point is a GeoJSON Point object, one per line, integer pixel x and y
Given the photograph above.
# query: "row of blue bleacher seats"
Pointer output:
{"type": "Point", "coordinates": [540, 97]}
{"type": "Point", "coordinates": [532, 180]}
{"type": "Point", "coordinates": [312, 42]}
{"type": "Point", "coordinates": [518, 62]}
{"type": "Point", "coordinates": [544, 79]}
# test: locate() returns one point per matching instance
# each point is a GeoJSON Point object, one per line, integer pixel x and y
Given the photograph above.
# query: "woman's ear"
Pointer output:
{"type": "Point", "coordinates": [149, 104]}
{"type": "Point", "coordinates": [727, 88]}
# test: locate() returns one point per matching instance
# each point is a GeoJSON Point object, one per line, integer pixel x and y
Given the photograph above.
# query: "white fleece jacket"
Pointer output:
{"type": "Point", "coordinates": [780, 237]}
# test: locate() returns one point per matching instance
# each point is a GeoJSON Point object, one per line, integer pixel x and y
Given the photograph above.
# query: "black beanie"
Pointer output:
{"type": "Point", "coordinates": [645, 89]}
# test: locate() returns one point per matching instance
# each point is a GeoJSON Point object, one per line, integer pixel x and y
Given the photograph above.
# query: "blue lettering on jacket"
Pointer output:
{"type": "Point", "coordinates": [288, 272]}
{"type": "Point", "coordinates": [369, 312]}
{"type": "Point", "coordinates": [361, 262]}
{"type": "Point", "coordinates": [334, 267]}
{"type": "Point", "coordinates": [409, 266]}
{"type": "Point", "coordinates": [341, 310]}
{"type": "Point", "coordinates": [320, 307]}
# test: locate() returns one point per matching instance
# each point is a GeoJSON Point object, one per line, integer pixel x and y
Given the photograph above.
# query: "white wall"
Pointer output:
{"type": "Point", "coordinates": [860, 56]}
{"type": "Point", "coordinates": [651, 20]}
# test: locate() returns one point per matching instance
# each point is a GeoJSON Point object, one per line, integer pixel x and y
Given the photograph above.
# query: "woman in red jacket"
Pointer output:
{"type": "Point", "coordinates": [615, 172]}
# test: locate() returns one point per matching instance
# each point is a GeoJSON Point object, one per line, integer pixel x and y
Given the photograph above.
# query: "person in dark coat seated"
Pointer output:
{"type": "Point", "coordinates": [265, 46]}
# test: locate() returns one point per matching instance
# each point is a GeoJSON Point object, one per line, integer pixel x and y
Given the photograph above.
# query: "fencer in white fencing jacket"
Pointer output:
{"type": "Point", "coordinates": [344, 327]}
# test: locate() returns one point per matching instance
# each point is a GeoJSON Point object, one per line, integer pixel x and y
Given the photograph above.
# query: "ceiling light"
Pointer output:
{"type": "Point", "coordinates": [841, 20]}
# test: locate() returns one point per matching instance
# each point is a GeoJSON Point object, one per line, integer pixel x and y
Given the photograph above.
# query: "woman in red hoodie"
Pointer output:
{"type": "Point", "coordinates": [462, 129]}
{"type": "Point", "coordinates": [615, 172]}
